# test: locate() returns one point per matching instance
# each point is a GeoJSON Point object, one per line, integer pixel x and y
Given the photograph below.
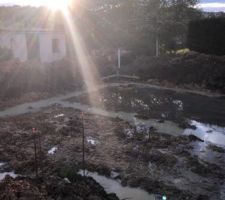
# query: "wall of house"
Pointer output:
{"type": "Point", "coordinates": [16, 42]}
{"type": "Point", "coordinates": [47, 54]}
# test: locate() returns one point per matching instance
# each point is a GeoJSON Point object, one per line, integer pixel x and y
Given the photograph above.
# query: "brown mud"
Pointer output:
{"type": "Point", "coordinates": [157, 162]}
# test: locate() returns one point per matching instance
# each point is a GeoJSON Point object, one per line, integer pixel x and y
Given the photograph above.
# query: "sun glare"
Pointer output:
{"type": "Point", "coordinates": [58, 5]}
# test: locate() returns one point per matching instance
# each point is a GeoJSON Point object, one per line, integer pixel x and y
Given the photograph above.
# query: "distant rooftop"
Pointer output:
{"type": "Point", "coordinates": [33, 30]}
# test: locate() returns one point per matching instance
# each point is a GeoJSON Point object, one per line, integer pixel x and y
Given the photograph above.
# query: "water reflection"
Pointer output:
{"type": "Point", "coordinates": [113, 186]}
{"type": "Point", "coordinates": [126, 101]}
{"type": "Point", "coordinates": [155, 103]}
{"type": "Point", "coordinates": [208, 133]}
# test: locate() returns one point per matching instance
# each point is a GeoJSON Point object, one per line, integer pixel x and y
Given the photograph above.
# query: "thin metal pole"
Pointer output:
{"type": "Point", "coordinates": [35, 153]}
{"type": "Point", "coordinates": [83, 146]}
{"type": "Point", "coordinates": [119, 58]}
{"type": "Point", "coordinates": [157, 46]}
{"type": "Point", "coordinates": [39, 140]}
{"type": "Point", "coordinates": [119, 63]}
{"type": "Point", "coordinates": [40, 152]}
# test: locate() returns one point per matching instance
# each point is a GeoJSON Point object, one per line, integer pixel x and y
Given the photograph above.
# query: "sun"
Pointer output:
{"type": "Point", "coordinates": [58, 5]}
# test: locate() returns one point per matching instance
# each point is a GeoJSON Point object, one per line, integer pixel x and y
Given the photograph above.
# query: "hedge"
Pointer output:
{"type": "Point", "coordinates": [207, 36]}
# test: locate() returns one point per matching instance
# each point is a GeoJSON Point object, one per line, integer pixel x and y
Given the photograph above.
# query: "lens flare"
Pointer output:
{"type": "Point", "coordinates": [88, 69]}
{"type": "Point", "coordinates": [58, 5]}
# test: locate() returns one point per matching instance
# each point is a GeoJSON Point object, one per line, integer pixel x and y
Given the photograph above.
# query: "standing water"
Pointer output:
{"type": "Point", "coordinates": [125, 101]}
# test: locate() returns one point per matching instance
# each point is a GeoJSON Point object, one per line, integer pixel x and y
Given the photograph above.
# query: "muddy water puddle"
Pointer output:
{"type": "Point", "coordinates": [209, 133]}
{"type": "Point", "coordinates": [157, 103]}
{"type": "Point", "coordinates": [143, 105]}
{"type": "Point", "coordinates": [165, 110]}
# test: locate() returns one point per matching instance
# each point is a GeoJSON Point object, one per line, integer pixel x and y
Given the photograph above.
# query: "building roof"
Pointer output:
{"type": "Point", "coordinates": [31, 30]}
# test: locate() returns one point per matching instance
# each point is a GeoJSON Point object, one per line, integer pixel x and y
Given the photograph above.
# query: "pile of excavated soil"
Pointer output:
{"type": "Point", "coordinates": [52, 188]}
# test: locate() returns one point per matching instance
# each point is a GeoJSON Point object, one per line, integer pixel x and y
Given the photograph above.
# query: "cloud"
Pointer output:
{"type": "Point", "coordinates": [212, 7]}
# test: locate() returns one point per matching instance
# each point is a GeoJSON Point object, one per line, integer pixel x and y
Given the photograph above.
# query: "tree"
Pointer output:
{"type": "Point", "coordinates": [172, 21]}
{"type": "Point", "coordinates": [135, 24]}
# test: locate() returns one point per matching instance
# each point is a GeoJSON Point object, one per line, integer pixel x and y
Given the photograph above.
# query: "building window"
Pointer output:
{"type": "Point", "coordinates": [55, 46]}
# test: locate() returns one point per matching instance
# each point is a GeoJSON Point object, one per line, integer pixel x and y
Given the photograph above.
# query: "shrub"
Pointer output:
{"type": "Point", "coordinates": [191, 69]}
{"type": "Point", "coordinates": [17, 78]}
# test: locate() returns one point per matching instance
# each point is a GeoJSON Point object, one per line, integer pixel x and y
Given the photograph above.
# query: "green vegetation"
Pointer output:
{"type": "Point", "coordinates": [190, 70]}
{"type": "Point", "coordinates": [135, 24]}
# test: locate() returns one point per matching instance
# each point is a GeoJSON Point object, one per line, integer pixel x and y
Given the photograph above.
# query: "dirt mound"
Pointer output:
{"type": "Point", "coordinates": [19, 189]}
{"type": "Point", "coordinates": [52, 188]}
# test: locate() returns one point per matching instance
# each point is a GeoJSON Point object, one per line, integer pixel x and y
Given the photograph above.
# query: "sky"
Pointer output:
{"type": "Point", "coordinates": [207, 5]}
{"type": "Point", "coordinates": [212, 5]}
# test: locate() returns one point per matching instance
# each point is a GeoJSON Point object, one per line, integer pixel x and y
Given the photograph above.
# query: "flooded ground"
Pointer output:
{"type": "Point", "coordinates": [149, 138]}
{"type": "Point", "coordinates": [195, 114]}
{"type": "Point", "coordinates": [157, 103]}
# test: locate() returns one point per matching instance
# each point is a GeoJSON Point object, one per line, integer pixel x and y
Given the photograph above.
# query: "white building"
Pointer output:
{"type": "Point", "coordinates": [43, 45]}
